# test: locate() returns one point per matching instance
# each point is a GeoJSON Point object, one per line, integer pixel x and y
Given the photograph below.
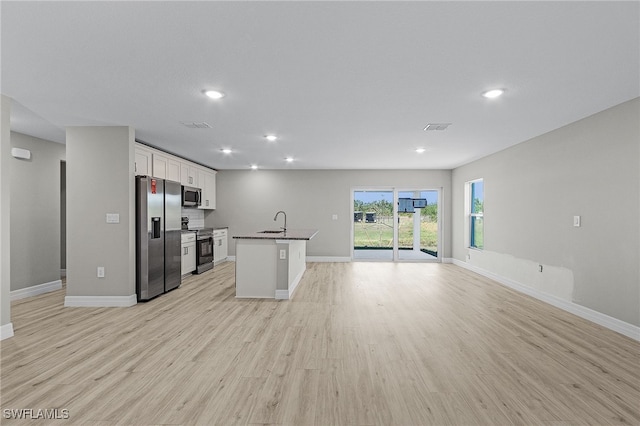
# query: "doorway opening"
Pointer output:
{"type": "Point", "coordinates": [396, 225]}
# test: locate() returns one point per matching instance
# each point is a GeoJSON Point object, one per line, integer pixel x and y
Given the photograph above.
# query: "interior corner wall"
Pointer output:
{"type": "Point", "coordinates": [100, 180]}
{"type": "Point", "coordinates": [247, 200]}
{"type": "Point", "coordinates": [591, 169]}
{"type": "Point", "coordinates": [6, 329]}
{"type": "Point", "coordinates": [35, 212]}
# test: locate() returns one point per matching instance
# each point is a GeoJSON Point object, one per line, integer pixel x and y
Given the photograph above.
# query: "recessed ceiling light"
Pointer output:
{"type": "Point", "coordinates": [271, 138]}
{"type": "Point", "coordinates": [226, 151]}
{"type": "Point", "coordinates": [254, 167]}
{"type": "Point", "coordinates": [494, 93]}
{"type": "Point", "coordinates": [289, 159]}
{"type": "Point", "coordinates": [214, 94]}
{"type": "Point", "coordinates": [420, 150]}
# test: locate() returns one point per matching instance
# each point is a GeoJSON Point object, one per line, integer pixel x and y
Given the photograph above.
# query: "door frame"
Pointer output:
{"type": "Point", "coordinates": [395, 190]}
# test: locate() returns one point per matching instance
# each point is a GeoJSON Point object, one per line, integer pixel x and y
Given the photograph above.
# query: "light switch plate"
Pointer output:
{"type": "Point", "coordinates": [576, 221]}
{"type": "Point", "coordinates": [334, 217]}
{"type": "Point", "coordinates": [113, 218]}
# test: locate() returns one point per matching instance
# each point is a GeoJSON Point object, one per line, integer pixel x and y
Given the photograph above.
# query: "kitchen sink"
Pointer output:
{"type": "Point", "coordinates": [270, 232]}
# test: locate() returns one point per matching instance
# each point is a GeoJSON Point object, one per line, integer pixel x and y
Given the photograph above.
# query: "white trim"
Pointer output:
{"type": "Point", "coordinates": [231, 258]}
{"type": "Point", "coordinates": [282, 294]}
{"type": "Point", "coordinates": [295, 282]}
{"type": "Point", "coordinates": [333, 259]}
{"type": "Point", "coordinates": [101, 301]}
{"type": "Point", "coordinates": [35, 290]}
{"type": "Point", "coordinates": [448, 260]}
{"type": "Point", "coordinates": [6, 331]}
{"type": "Point", "coordinates": [599, 318]}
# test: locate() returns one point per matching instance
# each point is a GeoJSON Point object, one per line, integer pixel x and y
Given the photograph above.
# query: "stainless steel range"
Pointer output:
{"type": "Point", "coordinates": [204, 249]}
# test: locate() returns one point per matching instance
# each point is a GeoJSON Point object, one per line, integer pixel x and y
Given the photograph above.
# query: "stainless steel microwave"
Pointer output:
{"type": "Point", "coordinates": [191, 197]}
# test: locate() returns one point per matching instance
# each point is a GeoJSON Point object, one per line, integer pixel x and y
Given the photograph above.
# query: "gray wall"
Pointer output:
{"type": "Point", "coordinates": [35, 212]}
{"type": "Point", "coordinates": [100, 180]}
{"type": "Point", "coordinates": [246, 201]}
{"type": "Point", "coordinates": [589, 168]}
{"type": "Point", "coordinates": [5, 212]}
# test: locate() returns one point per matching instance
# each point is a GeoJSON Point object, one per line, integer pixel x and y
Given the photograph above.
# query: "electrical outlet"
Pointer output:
{"type": "Point", "coordinates": [100, 271]}
{"type": "Point", "coordinates": [576, 221]}
{"type": "Point", "coordinates": [334, 217]}
{"type": "Point", "coordinates": [283, 254]}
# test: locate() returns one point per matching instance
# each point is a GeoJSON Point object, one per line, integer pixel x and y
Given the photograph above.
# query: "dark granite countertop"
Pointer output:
{"type": "Point", "coordinates": [290, 234]}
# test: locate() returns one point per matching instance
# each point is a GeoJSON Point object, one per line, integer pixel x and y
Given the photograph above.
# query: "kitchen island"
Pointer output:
{"type": "Point", "coordinates": [270, 264]}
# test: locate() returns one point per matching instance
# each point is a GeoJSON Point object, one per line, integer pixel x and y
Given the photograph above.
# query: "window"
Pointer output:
{"type": "Point", "coordinates": [476, 214]}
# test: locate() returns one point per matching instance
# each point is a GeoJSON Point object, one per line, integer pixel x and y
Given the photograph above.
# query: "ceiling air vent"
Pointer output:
{"type": "Point", "coordinates": [436, 126]}
{"type": "Point", "coordinates": [196, 124]}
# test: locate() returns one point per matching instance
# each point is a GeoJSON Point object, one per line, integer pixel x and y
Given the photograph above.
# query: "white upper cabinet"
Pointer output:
{"type": "Point", "coordinates": [166, 167]}
{"type": "Point", "coordinates": [159, 166]}
{"type": "Point", "coordinates": [188, 174]}
{"type": "Point", "coordinates": [143, 161]}
{"type": "Point", "coordinates": [207, 179]}
{"type": "Point", "coordinates": [173, 169]}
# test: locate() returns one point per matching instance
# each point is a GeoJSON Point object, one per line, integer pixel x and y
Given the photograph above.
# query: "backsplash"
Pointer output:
{"type": "Point", "coordinates": [196, 217]}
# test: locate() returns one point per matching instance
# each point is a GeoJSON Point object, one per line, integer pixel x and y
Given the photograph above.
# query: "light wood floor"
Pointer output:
{"type": "Point", "coordinates": [359, 344]}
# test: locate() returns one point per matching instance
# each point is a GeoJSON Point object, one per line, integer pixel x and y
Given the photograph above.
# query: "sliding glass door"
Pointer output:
{"type": "Point", "coordinates": [396, 225]}
{"type": "Point", "coordinates": [373, 229]}
{"type": "Point", "coordinates": [417, 225]}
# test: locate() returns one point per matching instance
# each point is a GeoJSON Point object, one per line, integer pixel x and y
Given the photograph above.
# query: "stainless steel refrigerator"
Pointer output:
{"type": "Point", "coordinates": [158, 232]}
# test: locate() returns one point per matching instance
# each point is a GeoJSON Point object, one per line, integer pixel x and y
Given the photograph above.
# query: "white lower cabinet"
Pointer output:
{"type": "Point", "coordinates": [220, 245]}
{"type": "Point", "coordinates": [188, 253]}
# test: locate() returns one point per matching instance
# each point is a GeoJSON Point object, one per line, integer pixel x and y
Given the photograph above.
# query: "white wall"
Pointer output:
{"type": "Point", "coordinates": [100, 180]}
{"type": "Point", "coordinates": [6, 328]}
{"type": "Point", "coordinates": [247, 201]}
{"type": "Point", "coordinates": [35, 212]}
{"type": "Point", "coordinates": [589, 168]}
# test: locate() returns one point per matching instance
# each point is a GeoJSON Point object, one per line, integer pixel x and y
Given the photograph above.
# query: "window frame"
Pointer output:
{"type": "Point", "coordinates": [474, 216]}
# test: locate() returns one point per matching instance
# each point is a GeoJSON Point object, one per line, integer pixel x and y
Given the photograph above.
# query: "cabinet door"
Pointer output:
{"type": "Point", "coordinates": [188, 258]}
{"type": "Point", "coordinates": [160, 166]}
{"type": "Point", "coordinates": [188, 175]}
{"type": "Point", "coordinates": [142, 162]}
{"type": "Point", "coordinates": [208, 181]}
{"type": "Point", "coordinates": [173, 170]}
{"type": "Point", "coordinates": [224, 247]}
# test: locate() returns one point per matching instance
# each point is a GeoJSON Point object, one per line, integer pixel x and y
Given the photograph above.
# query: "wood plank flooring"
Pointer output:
{"type": "Point", "coordinates": [359, 344]}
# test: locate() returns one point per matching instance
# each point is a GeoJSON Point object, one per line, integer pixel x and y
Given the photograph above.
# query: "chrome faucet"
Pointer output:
{"type": "Point", "coordinates": [285, 219]}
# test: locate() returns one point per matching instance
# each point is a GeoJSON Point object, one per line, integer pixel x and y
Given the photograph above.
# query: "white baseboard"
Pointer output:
{"type": "Point", "coordinates": [35, 290]}
{"type": "Point", "coordinates": [447, 260]}
{"type": "Point", "coordinates": [599, 318]}
{"type": "Point", "coordinates": [282, 294]}
{"type": "Point", "coordinates": [6, 331]}
{"type": "Point", "coordinates": [328, 259]}
{"type": "Point", "coordinates": [101, 301]}
{"type": "Point", "coordinates": [231, 258]}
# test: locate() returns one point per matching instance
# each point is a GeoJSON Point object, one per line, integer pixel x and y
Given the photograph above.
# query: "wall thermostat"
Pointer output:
{"type": "Point", "coordinates": [23, 154]}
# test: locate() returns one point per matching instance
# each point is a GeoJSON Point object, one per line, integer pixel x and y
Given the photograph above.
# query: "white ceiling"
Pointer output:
{"type": "Point", "coordinates": [344, 84]}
